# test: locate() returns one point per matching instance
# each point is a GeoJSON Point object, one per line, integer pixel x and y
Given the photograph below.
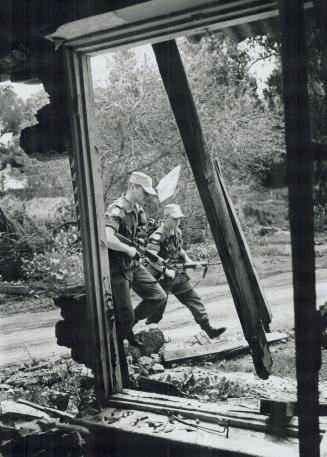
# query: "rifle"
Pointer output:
{"type": "Point", "coordinates": [192, 265]}
{"type": "Point", "coordinates": [142, 251]}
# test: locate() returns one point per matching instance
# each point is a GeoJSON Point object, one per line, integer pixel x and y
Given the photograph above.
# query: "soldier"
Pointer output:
{"type": "Point", "coordinates": [167, 242]}
{"type": "Point", "coordinates": [126, 217]}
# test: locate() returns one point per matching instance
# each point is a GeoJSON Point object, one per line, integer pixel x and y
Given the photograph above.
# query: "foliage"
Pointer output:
{"type": "Point", "coordinates": [32, 105]}
{"type": "Point", "coordinates": [43, 255]}
{"type": "Point", "coordinates": [320, 217]}
{"type": "Point", "coordinates": [11, 109]}
{"type": "Point", "coordinates": [58, 384]}
{"type": "Point", "coordinates": [245, 136]}
{"type": "Point", "coordinates": [15, 114]}
{"type": "Point", "coordinates": [60, 264]}
{"type": "Point", "coordinates": [47, 179]}
{"type": "Point", "coordinates": [35, 233]}
{"type": "Point", "coordinates": [203, 251]}
{"type": "Point", "coordinates": [137, 129]}
{"type": "Point", "coordinates": [317, 90]}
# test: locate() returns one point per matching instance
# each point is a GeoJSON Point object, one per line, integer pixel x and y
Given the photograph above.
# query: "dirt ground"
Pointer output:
{"type": "Point", "coordinates": [27, 335]}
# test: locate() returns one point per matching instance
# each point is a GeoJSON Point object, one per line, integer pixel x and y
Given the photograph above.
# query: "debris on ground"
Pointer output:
{"type": "Point", "coordinates": [61, 384]}
{"type": "Point", "coordinates": [27, 431]}
{"type": "Point", "coordinates": [208, 383]}
{"type": "Point", "coordinates": [214, 350]}
{"type": "Point", "coordinates": [152, 339]}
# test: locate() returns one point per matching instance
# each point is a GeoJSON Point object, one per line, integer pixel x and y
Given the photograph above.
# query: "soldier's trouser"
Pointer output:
{"type": "Point", "coordinates": [182, 288]}
{"type": "Point", "coordinates": [143, 283]}
{"type": "Point", "coordinates": [153, 298]}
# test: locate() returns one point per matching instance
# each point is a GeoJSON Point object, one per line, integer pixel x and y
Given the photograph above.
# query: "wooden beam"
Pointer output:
{"type": "Point", "coordinates": [263, 307]}
{"type": "Point", "coordinates": [182, 104]}
{"type": "Point", "coordinates": [214, 351]}
{"type": "Point", "coordinates": [91, 206]}
{"type": "Point", "coordinates": [299, 164]}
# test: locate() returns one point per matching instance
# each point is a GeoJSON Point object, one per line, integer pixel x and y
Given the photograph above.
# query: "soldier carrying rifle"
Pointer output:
{"type": "Point", "coordinates": [167, 243]}
{"type": "Point", "coordinates": [126, 217]}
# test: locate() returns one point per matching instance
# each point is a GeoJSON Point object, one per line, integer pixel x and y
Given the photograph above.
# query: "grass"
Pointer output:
{"type": "Point", "coordinates": [17, 304]}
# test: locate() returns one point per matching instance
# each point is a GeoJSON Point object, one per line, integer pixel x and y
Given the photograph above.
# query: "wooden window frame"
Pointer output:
{"type": "Point", "coordinates": [77, 51]}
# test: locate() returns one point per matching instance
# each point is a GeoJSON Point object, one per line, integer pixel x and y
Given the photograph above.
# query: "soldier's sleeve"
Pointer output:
{"type": "Point", "coordinates": [114, 216]}
{"type": "Point", "coordinates": [142, 218]}
{"type": "Point", "coordinates": [141, 222]}
{"type": "Point", "coordinates": [180, 240]}
{"type": "Point", "coordinates": [180, 249]}
{"type": "Point", "coordinates": [154, 242]}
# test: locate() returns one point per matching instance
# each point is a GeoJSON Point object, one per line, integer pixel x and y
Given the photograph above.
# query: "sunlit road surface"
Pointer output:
{"type": "Point", "coordinates": [27, 336]}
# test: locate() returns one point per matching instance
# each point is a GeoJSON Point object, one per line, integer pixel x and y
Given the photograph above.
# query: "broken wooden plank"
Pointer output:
{"type": "Point", "coordinates": [216, 350]}
{"type": "Point", "coordinates": [263, 307]}
{"type": "Point", "coordinates": [181, 100]}
{"type": "Point", "coordinates": [26, 411]}
{"type": "Point", "coordinates": [13, 289]}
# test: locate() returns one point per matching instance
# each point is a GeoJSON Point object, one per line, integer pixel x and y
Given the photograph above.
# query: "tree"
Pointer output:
{"type": "Point", "coordinates": [137, 129]}
{"type": "Point", "coordinates": [11, 109]}
{"type": "Point", "coordinates": [317, 91]}
{"type": "Point", "coordinates": [245, 135]}
{"type": "Point", "coordinates": [32, 105]}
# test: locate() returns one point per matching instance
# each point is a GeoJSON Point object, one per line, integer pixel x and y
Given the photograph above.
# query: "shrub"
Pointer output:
{"type": "Point", "coordinates": [320, 217]}
{"type": "Point", "coordinates": [202, 251]}
{"type": "Point", "coordinates": [60, 265]}
{"type": "Point", "coordinates": [266, 212]}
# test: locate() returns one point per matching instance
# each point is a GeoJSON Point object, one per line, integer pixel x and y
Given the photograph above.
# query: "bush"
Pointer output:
{"type": "Point", "coordinates": [60, 265]}
{"type": "Point", "coordinates": [266, 213]}
{"type": "Point", "coordinates": [54, 210]}
{"type": "Point", "coordinates": [320, 217]}
{"type": "Point", "coordinates": [202, 251]}
{"type": "Point", "coordinates": [33, 233]}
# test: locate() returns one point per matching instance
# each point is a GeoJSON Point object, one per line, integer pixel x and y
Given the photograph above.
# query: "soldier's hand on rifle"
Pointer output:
{"type": "Point", "coordinates": [170, 273]}
{"type": "Point", "coordinates": [132, 252]}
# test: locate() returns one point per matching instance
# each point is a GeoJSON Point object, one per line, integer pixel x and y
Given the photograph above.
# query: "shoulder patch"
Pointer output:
{"type": "Point", "coordinates": [155, 236]}
{"type": "Point", "coordinates": [115, 211]}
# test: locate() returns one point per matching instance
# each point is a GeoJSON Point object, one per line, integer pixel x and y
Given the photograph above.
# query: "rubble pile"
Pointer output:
{"type": "Point", "coordinates": [29, 432]}
{"type": "Point", "coordinates": [61, 384]}
{"type": "Point", "coordinates": [209, 383]}
{"type": "Point", "coordinates": [148, 359]}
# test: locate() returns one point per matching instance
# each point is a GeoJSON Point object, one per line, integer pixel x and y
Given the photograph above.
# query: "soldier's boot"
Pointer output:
{"type": "Point", "coordinates": [212, 332]}
{"type": "Point", "coordinates": [134, 341]}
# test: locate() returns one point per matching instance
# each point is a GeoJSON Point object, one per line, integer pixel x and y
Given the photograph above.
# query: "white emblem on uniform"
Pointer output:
{"type": "Point", "coordinates": [156, 236]}
{"type": "Point", "coordinates": [114, 211]}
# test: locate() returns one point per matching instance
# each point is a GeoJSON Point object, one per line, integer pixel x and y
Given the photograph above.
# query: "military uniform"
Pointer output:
{"type": "Point", "coordinates": [168, 244]}
{"type": "Point", "coordinates": [127, 273]}
{"type": "Point", "coordinates": [169, 247]}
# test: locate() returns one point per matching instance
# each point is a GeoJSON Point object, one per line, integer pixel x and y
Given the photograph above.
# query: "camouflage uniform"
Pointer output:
{"type": "Point", "coordinates": [127, 273]}
{"type": "Point", "coordinates": [169, 247]}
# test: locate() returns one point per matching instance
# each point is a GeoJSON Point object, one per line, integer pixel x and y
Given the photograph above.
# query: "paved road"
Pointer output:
{"type": "Point", "coordinates": [32, 335]}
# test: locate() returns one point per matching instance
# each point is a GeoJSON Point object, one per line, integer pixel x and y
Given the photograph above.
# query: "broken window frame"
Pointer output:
{"type": "Point", "coordinates": [200, 19]}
